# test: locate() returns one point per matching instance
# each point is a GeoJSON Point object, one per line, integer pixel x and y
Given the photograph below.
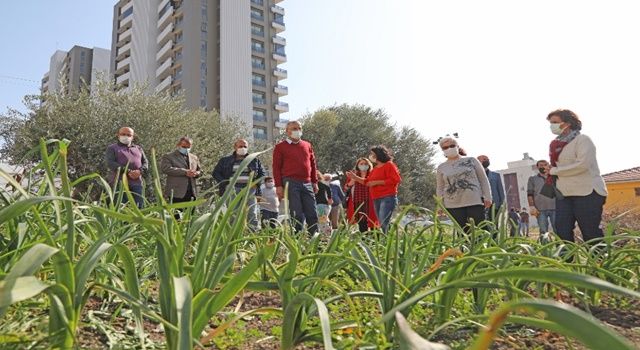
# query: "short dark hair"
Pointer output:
{"type": "Point", "coordinates": [383, 154]}
{"type": "Point", "coordinates": [267, 178]}
{"type": "Point", "coordinates": [540, 161]}
{"type": "Point", "coordinates": [567, 116]}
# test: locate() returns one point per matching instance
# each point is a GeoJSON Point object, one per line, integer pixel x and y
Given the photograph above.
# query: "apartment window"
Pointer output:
{"type": "Point", "coordinates": [258, 79]}
{"type": "Point", "coordinates": [257, 29]}
{"type": "Point", "coordinates": [259, 115]}
{"type": "Point", "coordinates": [259, 133]}
{"type": "Point", "coordinates": [179, 38]}
{"type": "Point", "coordinates": [258, 2]}
{"type": "Point", "coordinates": [257, 46]}
{"type": "Point", "coordinates": [127, 13]}
{"type": "Point", "coordinates": [203, 49]}
{"type": "Point", "coordinates": [179, 20]}
{"type": "Point", "coordinates": [257, 14]}
{"type": "Point", "coordinates": [279, 49]}
{"type": "Point", "coordinates": [179, 54]}
{"type": "Point", "coordinates": [259, 98]}
{"type": "Point", "coordinates": [278, 18]}
{"type": "Point", "coordinates": [178, 74]}
{"type": "Point", "coordinates": [257, 62]}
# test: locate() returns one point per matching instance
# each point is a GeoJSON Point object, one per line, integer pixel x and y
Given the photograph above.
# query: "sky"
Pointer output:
{"type": "Point", "coordinates": [489, 70]}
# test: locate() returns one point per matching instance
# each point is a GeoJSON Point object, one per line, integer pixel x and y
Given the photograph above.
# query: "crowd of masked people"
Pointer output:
{"type": "Point", "coordinates": [567, 189]}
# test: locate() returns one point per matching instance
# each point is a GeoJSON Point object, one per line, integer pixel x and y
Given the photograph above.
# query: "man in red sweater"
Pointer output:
{"type": "Point", "coordinates": [294, 166]}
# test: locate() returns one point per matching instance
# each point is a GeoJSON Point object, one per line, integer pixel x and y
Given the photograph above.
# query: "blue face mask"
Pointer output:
{"type": "Point", "coordinates": [184, 151]}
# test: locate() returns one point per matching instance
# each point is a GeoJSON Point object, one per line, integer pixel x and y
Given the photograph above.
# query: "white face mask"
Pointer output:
{"type": "Point", "coordinates": [451, 152]}
{"type": "Point", "coordinates": [242, 151]}
{"type": "Point", "coordinates": [268, 184]}
{"type": "Point", "coordinates": [125, 139]}
{"type": "Point", "coordinates": [556, 129]}
{"type": "Point", "coordinates": [296, 134]}
{"type": "Point", "coordinates": [363, 167]}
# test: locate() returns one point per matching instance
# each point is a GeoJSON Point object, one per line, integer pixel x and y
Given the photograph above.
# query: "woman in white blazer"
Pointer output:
{"type": "Point", "coordinates": [577, 177]}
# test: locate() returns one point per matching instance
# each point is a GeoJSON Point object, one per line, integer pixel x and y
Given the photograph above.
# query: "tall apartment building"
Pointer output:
{"type": "Point", "coordinates": [220, 54]}
{"type": "Point", "coordinates": [76, 69]}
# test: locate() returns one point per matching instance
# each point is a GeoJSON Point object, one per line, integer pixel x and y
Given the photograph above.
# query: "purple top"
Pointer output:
{"type": "Point", "coordinates": [118, 155]}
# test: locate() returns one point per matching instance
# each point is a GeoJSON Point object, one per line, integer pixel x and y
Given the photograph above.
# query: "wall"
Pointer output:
{"type": "Point", "coordinates": [622, 195]}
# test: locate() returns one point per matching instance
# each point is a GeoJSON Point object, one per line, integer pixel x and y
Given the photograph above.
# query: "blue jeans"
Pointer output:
{"type": "Point", "coordinates": [543, 220]}
{"type": "Point", "coordinates": [302, 205]}
{"type": "Point", "coordinates": [137, 191]}
{"type": "Point", "coordinates": [252, 204]}
{"type": "Point", "coordinates": [384, 207]}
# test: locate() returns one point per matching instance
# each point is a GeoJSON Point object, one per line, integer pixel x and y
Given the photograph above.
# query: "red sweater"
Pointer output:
{"type": "Point", "coordinates": [294, 160]}
{"type": "Point", "coordinates": [387, 172]}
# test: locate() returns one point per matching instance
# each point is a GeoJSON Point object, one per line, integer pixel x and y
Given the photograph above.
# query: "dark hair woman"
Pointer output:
{"type": "Point", "coordinates": [360, 207]}
{"type": "Point", "coordinates": [581, 191]}
{"type": "Point", "coordinates": [383, 184]}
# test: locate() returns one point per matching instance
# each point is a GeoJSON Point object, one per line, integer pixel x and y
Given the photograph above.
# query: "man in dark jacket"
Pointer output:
{"type": "Point", "coordinates": [228, 166]}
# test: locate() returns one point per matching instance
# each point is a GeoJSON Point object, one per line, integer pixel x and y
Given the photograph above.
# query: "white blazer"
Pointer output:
{"type": "Point", "coordinates": [577, 169]}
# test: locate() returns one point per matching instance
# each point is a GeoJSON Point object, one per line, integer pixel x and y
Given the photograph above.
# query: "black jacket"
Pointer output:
{"type": "Point", "coordinates": [223, 172]}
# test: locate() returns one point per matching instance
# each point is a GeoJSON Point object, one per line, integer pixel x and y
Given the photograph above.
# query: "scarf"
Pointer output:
{"type": "Point", "coordinates": [556, 147]}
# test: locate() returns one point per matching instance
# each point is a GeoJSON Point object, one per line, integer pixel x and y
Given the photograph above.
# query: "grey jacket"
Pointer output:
{"type": "Point", "coordinates": [174, 165]}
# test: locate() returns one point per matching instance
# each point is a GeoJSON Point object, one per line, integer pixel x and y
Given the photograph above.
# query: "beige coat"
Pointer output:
{"type": "Point", "coordinates": [577, 169]}
{"type": "Point", "coordinates": [174, 165]}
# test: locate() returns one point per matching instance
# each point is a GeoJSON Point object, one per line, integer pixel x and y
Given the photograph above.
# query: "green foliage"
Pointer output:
{"type": "Point", "coordinates": [341, 134]}
{"type": "Point", "coordinates": [92, 120]}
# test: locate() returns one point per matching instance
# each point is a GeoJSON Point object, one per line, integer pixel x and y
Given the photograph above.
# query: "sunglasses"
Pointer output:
{"type": "Point", "coordinates": [447, 147]}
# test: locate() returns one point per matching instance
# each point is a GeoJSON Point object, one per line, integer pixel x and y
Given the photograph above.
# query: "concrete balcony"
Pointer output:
{"type": "Point", "coordinates": [166, 18]}
{"type": "Point", "coordinates": [277, 39]}
{"type": "Point", "coordinates": [124, 8]}
{"type": "Point", "coordinates": [281, 107]}
{"type": "Point", "coordinates": [125, 24]}
{"type": "Point", "coordinates": [162, 4]}
{"type": "Point", "coordinates": [164, 84]}
{"type": "Point", "coordinates": [280, 57]}
{"type": "Point", "coordinates": [164, 52]}
{"type": "Point", "coordinates": [165, 34]}
{"type": "Point", "coordinates": [281, 90]}
{"type": "Point", "coordinates": [280, 73]}
{"type": "Point", "coordinates": [164, 69]}
{"type": "Point", "coordinates": [281, 124]}
{"type": "Point", "coordinates": [277, 9]}
{"type": "Point", "coordinates": [125, 37]}
{"type": "Point", "coordinates": [123, 78]}
{"type": "Point", "coordinates": [278, 26]}
{"type": "Point", "coordinates": [122, 65]}
{"type": "Point", "coordinates": [124, 51]}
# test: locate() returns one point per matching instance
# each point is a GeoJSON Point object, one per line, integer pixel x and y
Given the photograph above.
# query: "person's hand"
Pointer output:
{"type": "Point", "coordinates": [350, 175]}
{"type": "Point", "coordinates": [330, 201]}
{"type": "Point", "coordinates": [534, 211]}
{"type": "Point", "coordinates": [487, 204]}
{"type": "Point", "coordinates": [134, 174]}
{"type": "Point", "coordinates": [190, 173]}
{"type": "Point", "coordinates": [315, 187]}
{"type": "Point", "coordinates": [280, 192]}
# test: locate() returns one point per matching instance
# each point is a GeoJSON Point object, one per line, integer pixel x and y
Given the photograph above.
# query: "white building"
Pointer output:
{"type": "Point", "coordinates": [515, 179]}
{"type": "Point", "coordinates": [219, 54]}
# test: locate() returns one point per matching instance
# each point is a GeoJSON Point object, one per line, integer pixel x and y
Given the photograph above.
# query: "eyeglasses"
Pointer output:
{"type": "Point", "coordinates": [447, 147]}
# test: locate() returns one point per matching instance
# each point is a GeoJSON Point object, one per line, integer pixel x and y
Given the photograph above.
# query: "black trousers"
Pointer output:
{"type": "Point", "coordinates": [464, 215]}
{"type": "Point", "coordinates": [585, 210]}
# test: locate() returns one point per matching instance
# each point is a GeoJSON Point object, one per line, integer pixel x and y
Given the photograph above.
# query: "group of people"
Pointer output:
{"type": "Point", "coordinates": [568, 188]}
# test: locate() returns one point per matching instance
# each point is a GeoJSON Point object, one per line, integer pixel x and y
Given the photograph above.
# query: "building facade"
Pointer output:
{"type": "Point", "coordinates": [624, 189]}
{"type": "Point", "coordinates": [219, 54]}
{"type": "Point", "coordinates": [78, 68]}
{"type": "Point", "coordinates": [515, 179]}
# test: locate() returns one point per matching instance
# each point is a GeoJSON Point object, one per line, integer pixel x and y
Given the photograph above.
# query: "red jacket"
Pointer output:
{"type": "Point", "coordinates": [387, 172]}
{"type": "Point", "coordinates": [294, 160]}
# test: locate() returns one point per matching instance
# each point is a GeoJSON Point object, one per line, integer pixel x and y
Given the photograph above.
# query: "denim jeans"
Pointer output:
{"type": "Point", "coordinates": [384, 208]}
{"type": "Point", "coordinates": [269, 218]}
{"type": "Point", "coordinates": [302, 205]}
{"type": "Point", "coordinates": [252, 204]}
{"type": "Point", "coordinates": [137, 191]}
{"type": "Point", "coordinates": [543, 220]}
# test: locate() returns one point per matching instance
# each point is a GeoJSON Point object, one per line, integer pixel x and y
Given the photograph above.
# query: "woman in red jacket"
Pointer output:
{"type": "Point", "coordinates": [383, 184]}
{"type": "Point", "coordinates": [359, 203]}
